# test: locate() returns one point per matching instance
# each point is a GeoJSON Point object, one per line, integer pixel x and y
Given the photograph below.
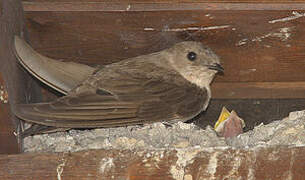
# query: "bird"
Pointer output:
{"type": "Point", "coordinates": [229, 124]}
{"type": "Point", "coordinates": [167, 86]}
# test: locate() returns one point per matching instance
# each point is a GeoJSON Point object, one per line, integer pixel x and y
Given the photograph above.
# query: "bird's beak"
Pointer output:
{"type": "Point", "coordinates": [216, 67]}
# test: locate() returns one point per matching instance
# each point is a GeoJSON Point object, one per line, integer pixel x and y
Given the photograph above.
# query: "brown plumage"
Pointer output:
{"type": "Point", "coordinates": [170, 85]}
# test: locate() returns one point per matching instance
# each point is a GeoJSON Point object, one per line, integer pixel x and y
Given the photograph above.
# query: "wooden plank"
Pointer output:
{"type": "Point", "coordinates": [1, 6]}
{"type": "Point", "coordinates": [8, 141]}
{"type": "Point", "coordinates": [171, 1]}
{"type": "Point", "coordinates": [159, 5]}
{"type": "Point", "coordinates": [255, 46]}
{"type": "Point", "coordinates": [13, 80]}
{"type": "Point", "coordinates": [9, 144]}
{"type": "Point", "coordinates": [259, 90]}
{"type": "Point", "coordinates": [258, 163]}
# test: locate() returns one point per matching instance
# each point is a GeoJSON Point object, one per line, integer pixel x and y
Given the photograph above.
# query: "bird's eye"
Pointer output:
{"type": "Point", "coordinates": [191, 56]}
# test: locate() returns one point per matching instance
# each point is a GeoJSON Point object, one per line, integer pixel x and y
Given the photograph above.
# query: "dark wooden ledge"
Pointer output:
{"type": "Point", "coordinates": [274, 163]}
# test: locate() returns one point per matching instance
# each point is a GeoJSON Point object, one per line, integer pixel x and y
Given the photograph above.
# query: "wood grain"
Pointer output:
{"type": "Point", "coordinates": [276, 163]}
{"type": "Point", "coordinates": [19, 86]}
{"type": "Point", "coordinates": [8, 143]}
{"type": "Point", "coordinates": [172, 1]}
{"type": "Point", "coordinates": [259, 90]}
{"type": "Point", "coordinates": [1, 6]}
{"type": "Point", "coordinates": [159, 5]}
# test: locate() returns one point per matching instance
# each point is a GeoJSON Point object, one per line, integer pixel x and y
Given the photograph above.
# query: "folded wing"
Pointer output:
{"type": "Point", "coordinates": [149, 101]}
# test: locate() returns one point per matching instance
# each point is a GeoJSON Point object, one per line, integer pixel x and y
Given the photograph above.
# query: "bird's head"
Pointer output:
{"type": "Point", "coordinates": [195, 62]}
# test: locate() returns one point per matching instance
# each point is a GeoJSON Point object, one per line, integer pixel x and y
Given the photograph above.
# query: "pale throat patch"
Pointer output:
{"type": "Point", "coordinates": [200, 76]}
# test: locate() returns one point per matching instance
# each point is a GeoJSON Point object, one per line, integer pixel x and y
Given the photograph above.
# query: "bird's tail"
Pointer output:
{"type": "Point", "coordinates": [61, 76]}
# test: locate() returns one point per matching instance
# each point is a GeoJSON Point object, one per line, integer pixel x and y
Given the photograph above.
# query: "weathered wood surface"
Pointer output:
{"type": "Point", "coordinates": [19, 86]}
{"type": "Point", "coordinates": [160, 5]}
{"type": "Point", "coordinates": [8, 143]}
{"type": "Point", "coordinates": [256, 46]}
{"type": "Point", "coordinates": [259, 90]}
{"type": "Point", "coordinates": [278, 163]}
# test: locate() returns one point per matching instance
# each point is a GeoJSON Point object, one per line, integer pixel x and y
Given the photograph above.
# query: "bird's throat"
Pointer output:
{"type": "Point", "coordinates": [201, 77]}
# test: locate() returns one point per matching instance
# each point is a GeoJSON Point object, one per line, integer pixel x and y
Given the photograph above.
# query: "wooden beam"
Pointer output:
{"type": "Point", "coordinates": [259, 90]}
{"type": "Point", "coordinates": [1, 8]}
{"type": "Point", "coordinates": [17, 86]}
{"type": "Point", "coordinates": [199, 163]}
{"type": "Point", "coordinates": [118, 6]}
{"type": "Point", "coordinates": [8, 140]}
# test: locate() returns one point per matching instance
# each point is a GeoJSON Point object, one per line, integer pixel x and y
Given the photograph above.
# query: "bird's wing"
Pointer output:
{"type": "Point", "coordinates": [119, 103]}
{"type": "Point", "coordinates": [79, 112]}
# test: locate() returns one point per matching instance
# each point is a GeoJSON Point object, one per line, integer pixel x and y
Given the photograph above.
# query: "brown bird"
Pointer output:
{"type": "Point", "coordinates": [167, 86]}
